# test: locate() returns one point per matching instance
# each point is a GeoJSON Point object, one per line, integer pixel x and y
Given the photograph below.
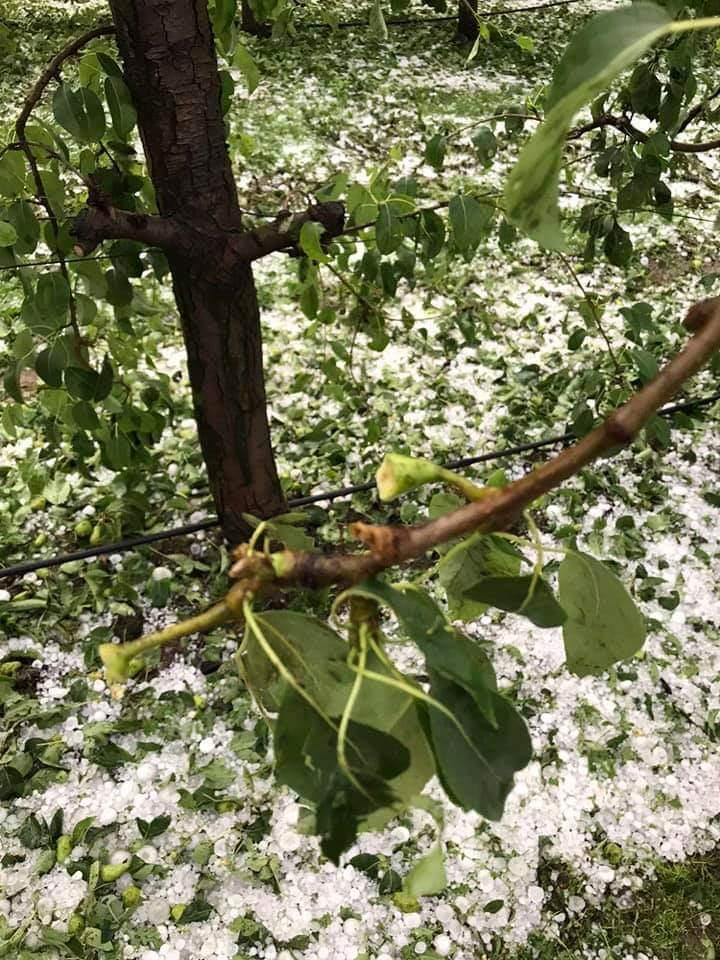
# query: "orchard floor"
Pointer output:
{"type": "Point", "coordinates": [609, 848]}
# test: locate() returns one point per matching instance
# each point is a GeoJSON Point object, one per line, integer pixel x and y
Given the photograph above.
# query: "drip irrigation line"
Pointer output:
{"type": "Point", "coordinates": [123, 546]}
{"type": "Point", "coordinates": [392, 22]}
{"type": "Point", "coordinates": [422, 21]}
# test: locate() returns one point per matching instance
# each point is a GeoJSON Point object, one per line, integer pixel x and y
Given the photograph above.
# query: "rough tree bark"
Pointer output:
{"type": "Point", "coordinates": [467, 19]}
{"type": "Point", "coordinates": [168, 53]}
{"type": "Point", "coordinates": [170, 67]}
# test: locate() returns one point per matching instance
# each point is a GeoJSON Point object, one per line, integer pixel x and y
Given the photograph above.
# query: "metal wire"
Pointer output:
{"type": "Point", "coordinates": [131, 543]}
{"type": "Point", "coordinates": [49, 263]}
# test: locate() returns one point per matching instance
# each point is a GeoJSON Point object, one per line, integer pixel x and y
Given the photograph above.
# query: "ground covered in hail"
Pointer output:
{"type": "Point", "coordinates": [609, 843]}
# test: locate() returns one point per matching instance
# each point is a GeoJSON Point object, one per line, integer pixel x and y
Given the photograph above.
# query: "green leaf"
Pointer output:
{"type": "Point", "coordinates": [525, 43]}
{"type": "Point", "coordinates": [598, 52]}
{"type": "Point", "coordinates": [485, 143]}
{"type": "Point", "coordinates": [435, 150]}
{"type": "Point", "coordinates": [618, 246]}
{"type": "Point", "coordinates": [469, 221]}
{"type": "Point", "coordinates": [118, 451]}
{"type": "Point", "coordinates": [57, 490]}
{"type": "Point", "coordinates": [514, 595]}
{"type": "Point", "coordinates": [244, 62]}
{"type": "Point", "coordinates": [217, 775]}
{"type": "Point", "coordinates": [80, 112]}
{"type": "Point", "coordinates": [11, 382]}
{"type": "Point", "coordinates": [603, 624]}
{"type": "Point", "coordinates": [109, 755]}
{"type": "Point", "coordinates": [52, 296]}
{"type": "Point", "coordinates": [224, 15]}
{"type": "Point", "coordinates": [105, 380]}
{"type": "Point", "coordinates": [197, 911]}
{"type": "Point", "coordinates": [11, 782]}
{"type": "Point", "coordinates": [427, 877]}
{"type": "Point", "coordinates": [316, 657]}
{"type": "Point", "coordinates": [12, 173]}
{"type": "Point", "coordinates": [645, 92]}
{"type": "Point", "coordinates": [467, 563]}
{"type": "Point", "coordinates": [431, 234]}
{"type": "Point", "coordinates": [119, 289]}
{"type": "Point", "coordinates": [33, 833]}
{"type": "Point", "coordinates": [290, 535]}
{"type": "Point", "coordinates": [23, 346]}
{"type": "Point", "coordinates": [388, 230]}
{"type": "Point", "coordinates": [8, 234]}
{"type": "Point", "coordinates": [122, 110]}
{"type": "Point", "coordinates": [227, 90]}
{"type": "Point", "coordinates": [50, 363]}
{"type": "Point", "coordinates": [311, 652]}
{"type": "Point", "coordinates": [42, 325]}
{"type": "Point", "coordinates": [306, 759]}
{"type": "Point", "coordinates": [110, 66]}
{"type": "Point", "coordinates": [20, 214]}
{"type": "Point", "coordinates": [309, 241]}
{"type": "Point", "coordinates": [446, 651]}
{"type": "Point", "coordinates": [81, 383]}
{"type": "Point", "coordinates": [479, 740]}
{"type": "Point", "coordinates": [646, 363]}
{"type": "Point", "coordinates": [476, 760]}
{"type": "Point", "coordinates": [84, 415]}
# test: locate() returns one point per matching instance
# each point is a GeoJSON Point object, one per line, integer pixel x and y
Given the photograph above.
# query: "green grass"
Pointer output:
{"type": "Point", "coordinates": [664, 920]}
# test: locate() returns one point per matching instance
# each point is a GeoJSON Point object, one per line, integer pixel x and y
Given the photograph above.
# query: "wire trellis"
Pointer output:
{"type": "Point", "coordinates": [132, 543]}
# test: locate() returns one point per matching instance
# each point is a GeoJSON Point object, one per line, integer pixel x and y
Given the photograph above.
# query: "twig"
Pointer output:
{"type": "Point", "coordinates": [624, 125]}
{"type": "Point", "coordinates": [697, 110]}
{"type": "Point", "coordinates": [361, 299]}
{"type": "Point", "coordinates": [52, 71]}
{"type": "Point", "coordinates": [593, 310]}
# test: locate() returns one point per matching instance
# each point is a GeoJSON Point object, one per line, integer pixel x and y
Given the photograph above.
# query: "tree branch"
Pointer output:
{"type": "Point", "coordinates": [99, 222]}
{"type": "Point", "coordinates": [283, 233]}
{"type": "Point", "coordinates": [268, 573]}
{"type": "Point", "coordinates": [390, 545]}
{"type": "Point", "coordinates": [699, 108]}
{"type": "Point", "coordinates": [52, 71]}
{"type": "Point", "coordinates": [625, 126]}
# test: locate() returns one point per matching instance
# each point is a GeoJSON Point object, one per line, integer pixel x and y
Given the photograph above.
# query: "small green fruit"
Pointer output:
{"type": "Point", "coordinates": [406, 903]}
{"type": "Point", "coordinates": [38, 503]}
{"type": "Point", "coordinates": [131, 896]}
{"type": "Point", "coordinates": [113, 871]}
{"type": "Point", "coordinates": [63, 848]}
{"type": "Point", "coordinates": [97, 534]}
{"type": "Point", "coordinates": [83, 529]}
{"type": "Point", "coordinates": [398, 474]}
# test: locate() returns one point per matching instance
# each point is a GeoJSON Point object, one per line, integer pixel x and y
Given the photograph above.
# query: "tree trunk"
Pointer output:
{"type": "Point", "coordinates": [171, 70]}
{"type": "Point", "coordinates": [251, 24]}
{"type": "Point", "coordinates": [467, 19]}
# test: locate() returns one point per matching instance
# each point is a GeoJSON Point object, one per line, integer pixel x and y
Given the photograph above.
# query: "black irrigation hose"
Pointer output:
{"type": "Point", "coordinates": [393, 22]}
{"type": "Point", "coordinates": [122, 546]}
{"type": "Point", "coordinates": [422, 21]}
